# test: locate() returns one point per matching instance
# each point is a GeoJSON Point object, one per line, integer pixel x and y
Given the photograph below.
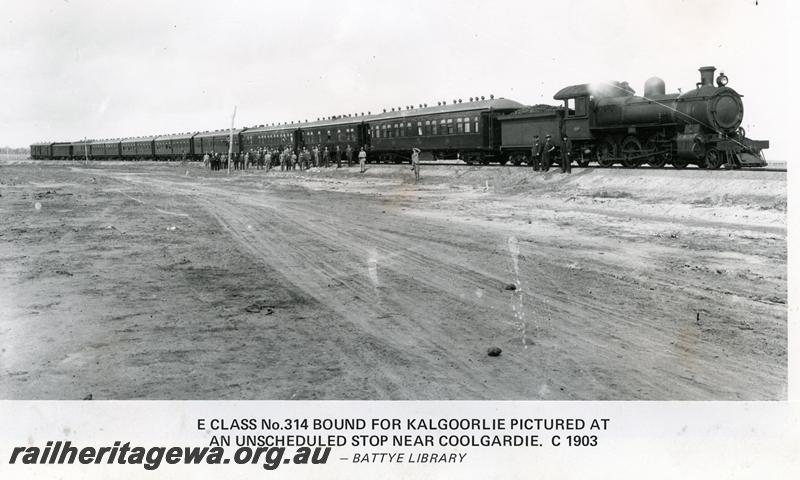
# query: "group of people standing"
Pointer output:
{"type": "Point", "coordinates": [542, 155]}
{"type": "Point", "coordinates": [286, 158]}
{"type": "Point", "coordinates": [258, 159]}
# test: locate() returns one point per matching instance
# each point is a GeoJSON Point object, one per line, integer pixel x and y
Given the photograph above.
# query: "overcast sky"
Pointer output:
{"type": "Point", "coordinates": [76, 68]}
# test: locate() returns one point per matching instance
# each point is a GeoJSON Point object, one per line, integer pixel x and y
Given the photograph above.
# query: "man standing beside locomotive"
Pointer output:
{"type": "Point", "coordinates": [547, 153]}
{"type": "Point", "coordinates": [536, 154]}
{"type": "Point", "coordinates": [566, 158]}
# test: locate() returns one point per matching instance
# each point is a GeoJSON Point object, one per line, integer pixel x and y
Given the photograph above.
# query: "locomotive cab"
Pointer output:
{"type": "Point", "coordinates": [577, 128]}
{"type": "Point", "coordinates": [576, 117]}
{"type": "Point", "coordinates": [580, 118]}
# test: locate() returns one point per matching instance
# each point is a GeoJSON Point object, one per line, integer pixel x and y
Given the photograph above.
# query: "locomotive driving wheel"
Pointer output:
{"type": "Point", "coordinates": [655, 159]}
{"type": "Point", "coordinates": [607, 152]}
{"type": "Point", "coordinates": [713, 159]}
{"type": "Point", "coordinates": [631, 152]}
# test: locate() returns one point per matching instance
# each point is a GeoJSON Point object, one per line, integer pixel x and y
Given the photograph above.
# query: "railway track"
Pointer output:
{"type": "Point", "coordinates": [620, 167]}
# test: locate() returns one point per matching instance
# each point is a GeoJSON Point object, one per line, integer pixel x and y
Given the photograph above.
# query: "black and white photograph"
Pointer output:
{"type": "Point", "coordinates": [446, 200]}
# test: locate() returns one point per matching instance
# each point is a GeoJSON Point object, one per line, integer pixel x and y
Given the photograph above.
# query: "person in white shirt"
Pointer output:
{"type": "Point", "coordinates": [362, 159]}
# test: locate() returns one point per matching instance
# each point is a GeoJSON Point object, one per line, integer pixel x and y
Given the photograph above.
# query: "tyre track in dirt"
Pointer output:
{"type": "Point", "coordinates": [409, 328]}
{"type": "Point", "coordinates": [577, 348]}
{"type": "Point", "coordinates": [588, 322]}
{"type": "Point", "coordinates": [384, 343]}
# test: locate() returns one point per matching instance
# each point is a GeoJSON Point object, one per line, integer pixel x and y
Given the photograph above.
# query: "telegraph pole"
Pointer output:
{"type": "Point", "coordinates": [230, 141]}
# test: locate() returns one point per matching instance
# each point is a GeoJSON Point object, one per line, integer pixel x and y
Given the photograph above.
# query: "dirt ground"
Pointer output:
{"type": "Point", "coordinates": [166, 281]}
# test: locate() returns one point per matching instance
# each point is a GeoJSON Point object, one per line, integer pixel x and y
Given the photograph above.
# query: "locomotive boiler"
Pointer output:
{"type": "Point", "coordinates": [608, 123]}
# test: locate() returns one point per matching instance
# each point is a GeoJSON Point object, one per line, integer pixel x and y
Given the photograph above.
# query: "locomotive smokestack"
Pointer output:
{"type": "Point", "coordinates": [706, 76]}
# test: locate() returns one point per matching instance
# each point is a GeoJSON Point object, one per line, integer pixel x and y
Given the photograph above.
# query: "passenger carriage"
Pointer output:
{"type": "Point", "coordinates": [466, 130]}
{"type": "Point", "coordinates": [216, 141]}
{"type": "Point", "coordinates": [271, 137]}
{"type": "Point", "coordinates": [175, 146]}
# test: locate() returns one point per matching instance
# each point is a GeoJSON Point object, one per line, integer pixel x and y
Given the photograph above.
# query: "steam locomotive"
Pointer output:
{"type": "Point", "coordinates": [603, 123]}
{"type": "Point", "coordinates": [608, 124]}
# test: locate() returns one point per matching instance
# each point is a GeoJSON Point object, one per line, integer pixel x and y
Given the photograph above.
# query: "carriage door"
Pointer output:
{"type": "Point", "coordinates": [363, 136]}
{"type": "Point", "coordinates": [299, 142]}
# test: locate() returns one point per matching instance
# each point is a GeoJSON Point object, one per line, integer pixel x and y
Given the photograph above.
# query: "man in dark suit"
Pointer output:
{"type": "Point", "coordinates": [566, 158]}
{"type": "Point", "coordinates": [548, 150]}
{"type": "Point", "coordinates": [536, 154]}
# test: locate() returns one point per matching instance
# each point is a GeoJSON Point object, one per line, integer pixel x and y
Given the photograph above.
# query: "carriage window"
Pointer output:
{"type": "Point", "coordinates": [580, 106]}
{"type": "Point", "coordinates": [466, 125]}
{"type": "Point", "coordinates": [449, 126]}
{"type": "Point", "coordinates": [396, 130]}
{"type": "Point", "coordinates": [460, 125]}
{"type": "Point", "coordinates": [443, 127]}
{"type": "Point", "coordinates": [477, 130]}
{"type": "Point", "coordinates": [570, 103]}
{"type": "Point", "coordinates": [433, 128]}
{"type": "Point", "coordinates": [419, 128]}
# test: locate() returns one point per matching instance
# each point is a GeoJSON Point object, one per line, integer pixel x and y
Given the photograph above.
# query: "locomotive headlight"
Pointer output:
{"type": "Point", "coordinates": [722, 80]}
